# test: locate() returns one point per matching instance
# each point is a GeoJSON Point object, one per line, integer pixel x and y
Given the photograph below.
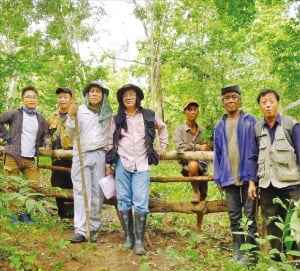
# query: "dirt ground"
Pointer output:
{"type": "Point", "coordinates": [107, 254]}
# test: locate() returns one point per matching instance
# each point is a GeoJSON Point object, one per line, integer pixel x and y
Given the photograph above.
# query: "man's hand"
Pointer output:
{"type": "Point", "coordinates": [252, 194]}
{"type": "Point", "coordinates": [108, 171]}
{"type": "Point", "coordinates": [161, 153]}
{"type": "Point", "coordinates": [221, 189]}
{"type": "Point", "coordinates": [73, 110]}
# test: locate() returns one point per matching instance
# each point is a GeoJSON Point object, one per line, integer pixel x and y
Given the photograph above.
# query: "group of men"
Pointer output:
{"type": "Point", "coordinates": [247, 154]}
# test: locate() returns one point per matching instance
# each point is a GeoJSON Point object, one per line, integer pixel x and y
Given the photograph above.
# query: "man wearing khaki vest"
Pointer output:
{"type": "Point", "coordinates": [274, 165]}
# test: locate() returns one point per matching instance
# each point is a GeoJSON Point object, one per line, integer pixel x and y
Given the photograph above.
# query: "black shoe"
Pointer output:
{"type": "Point", "coordinates": [25, 217]}
{"type": "Point", "coordinates": [77, 238]}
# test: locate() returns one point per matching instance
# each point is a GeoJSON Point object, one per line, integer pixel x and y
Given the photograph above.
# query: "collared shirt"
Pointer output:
{"type": "Point", "coordinates": [185, 141]}
{"type": "Point", "coordinates": [252, 164]}
{"type": "Point", "coordinates": [93, 134]}
{"type": "Point", "coordinates": [132, 149]}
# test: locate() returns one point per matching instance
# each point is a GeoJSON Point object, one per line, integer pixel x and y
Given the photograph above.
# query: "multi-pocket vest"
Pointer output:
{"type": "Point", "coordinates": [277, 162]}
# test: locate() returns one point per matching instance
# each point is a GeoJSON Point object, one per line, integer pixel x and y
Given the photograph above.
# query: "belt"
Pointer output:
{"type": "Point", "coordinates": [29, 158]}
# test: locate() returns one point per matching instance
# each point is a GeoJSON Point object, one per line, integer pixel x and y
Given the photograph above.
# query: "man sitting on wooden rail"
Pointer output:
{"type": "Point", "coordinates": [188, 138]}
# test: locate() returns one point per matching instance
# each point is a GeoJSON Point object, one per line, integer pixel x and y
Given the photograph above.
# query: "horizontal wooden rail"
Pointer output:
{"type": "Point", "coordinates": [171, 155]}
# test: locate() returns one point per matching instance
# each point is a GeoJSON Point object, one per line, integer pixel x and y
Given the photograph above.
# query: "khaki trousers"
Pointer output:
{"type": "Point", "coordinates": [28, 168]}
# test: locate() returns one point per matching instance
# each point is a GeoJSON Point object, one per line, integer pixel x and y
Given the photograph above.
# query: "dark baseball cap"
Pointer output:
{"type": "Point", "coordinates": [65, 90]}
{"type": "Point", "coordinates": [235, 88]}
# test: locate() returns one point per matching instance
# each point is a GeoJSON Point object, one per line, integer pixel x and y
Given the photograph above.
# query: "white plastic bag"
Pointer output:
{"type": "Point", "coordinates": [108, 186]}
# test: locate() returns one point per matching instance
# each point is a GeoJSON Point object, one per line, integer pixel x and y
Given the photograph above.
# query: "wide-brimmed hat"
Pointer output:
{"type": "Point", "coordinates": [121, 91]}
{"type": "Point", "coordinates": [189, 102]}
{"type": "Point", "coordinates": [101, 85]}
{"type": "Point", "coordinates": [65, 90]}
{"type": "Point", "coordinates": [235, 88]}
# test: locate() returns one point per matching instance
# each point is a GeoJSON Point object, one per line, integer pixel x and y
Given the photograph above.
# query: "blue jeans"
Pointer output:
{"type": "Point", "coordinates": [132, 189]}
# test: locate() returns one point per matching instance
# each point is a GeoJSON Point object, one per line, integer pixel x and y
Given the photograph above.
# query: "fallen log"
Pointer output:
{"type": "Point", "coordinates": [48, 191]}
{"type": "Point", "coordinates": [155, 205]}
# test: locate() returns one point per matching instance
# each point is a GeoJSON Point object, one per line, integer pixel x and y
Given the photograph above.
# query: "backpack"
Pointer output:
{"type": "Point", "coordinates": [288, 124]}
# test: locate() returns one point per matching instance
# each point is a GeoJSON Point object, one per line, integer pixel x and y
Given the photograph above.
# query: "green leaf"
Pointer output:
{"type": "Point", "coordinates": [289, 239]}
{"type": "Point", "coordinates": [41, 208]}
{"type": "Point", "coordinates": [260, 241]}
{"type": "Point", "coordinates": [247, 246]}
{"type": "Point", "coordinates": [271, 237]}
{"type": "Point", "coordinates": [145, 266]}
{"type": "Point", "coordinates": [280, 225]}
{"type": "Point", "coordinates": [293, 253]}
{"type": "Point", "coordinates": [280, 202]}
{"type": "Point", "coordinates": [30, 205]}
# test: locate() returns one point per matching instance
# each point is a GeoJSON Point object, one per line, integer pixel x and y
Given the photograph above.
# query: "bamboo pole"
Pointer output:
{"type": "Point", "coordinates": [85, 198]}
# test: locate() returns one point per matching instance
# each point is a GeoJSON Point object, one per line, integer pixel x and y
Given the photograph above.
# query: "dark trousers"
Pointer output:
{"type": "Point", "coordinates": [237, 201]}
{"type": "Point", "coordinates": [63, 180]}
{"type": "Point", "coordinates": [270, 209]}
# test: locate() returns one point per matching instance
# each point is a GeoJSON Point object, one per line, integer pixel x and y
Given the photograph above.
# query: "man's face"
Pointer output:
{"type": "Point", "coordinates": [269, 105]}
{"type": "Point", "coordinates": [64, 100]}
{"type": "Point", "coordinates": [95, 95]}
{"type": "Point", "coordinates": [30, 99]}
{"type": "Point", "coordinates": [129, 98]}
{"type": "Point", "coordinates": [231, 102]}
{"type": "Point", "coordinates": [191, 112]}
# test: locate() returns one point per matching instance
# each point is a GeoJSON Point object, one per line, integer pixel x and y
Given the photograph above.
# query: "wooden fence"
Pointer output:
{"type": "Point", "coordinates": [155, 205]}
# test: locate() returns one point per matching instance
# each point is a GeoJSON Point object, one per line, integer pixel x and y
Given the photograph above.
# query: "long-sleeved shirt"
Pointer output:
{"type": "Point", "coordinates": [222, 170]}
{"type": "Point", "coordinates": [14, 118]}
{"type": "Point", "coordinates": [132, 149]}
{"type": "Point", "coordinates": [93, 134]}
{"type": "Point", "coordinates": [254, 151]}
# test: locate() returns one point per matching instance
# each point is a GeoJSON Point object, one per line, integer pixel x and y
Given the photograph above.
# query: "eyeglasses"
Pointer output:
{"type": "Point", "coordinates": [233, 97]}
{"type": "Point", "coordinates": [30, 97]}
{"type": "Point", "coordinates": [129, 95]}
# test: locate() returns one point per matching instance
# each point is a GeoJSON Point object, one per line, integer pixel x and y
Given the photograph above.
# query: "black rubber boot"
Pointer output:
{"type": "Point", "coordinates": [236, 244]}
{"type": "Point", "coordinates": [127, 223]}
{"type": "Point", "coordinates": [140, 227]}
{"type": "Point", "coordinates": [238, 255]}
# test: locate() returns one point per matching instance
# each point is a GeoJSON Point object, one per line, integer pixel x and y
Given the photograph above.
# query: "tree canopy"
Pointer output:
{"type": "Point", "coordinates": [192, 49]}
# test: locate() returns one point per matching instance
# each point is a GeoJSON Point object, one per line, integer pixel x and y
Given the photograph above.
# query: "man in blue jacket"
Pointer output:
{"type": "Point", "coordinates": [230, 167]}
